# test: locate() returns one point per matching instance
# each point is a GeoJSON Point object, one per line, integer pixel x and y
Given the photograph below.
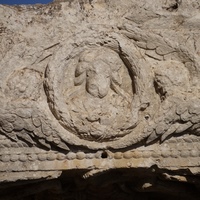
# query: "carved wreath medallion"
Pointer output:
{"type": "Point", "coordinates": [93, 95]}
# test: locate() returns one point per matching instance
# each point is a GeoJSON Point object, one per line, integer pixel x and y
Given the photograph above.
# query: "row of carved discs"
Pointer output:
{"type": "Point", "coordinates": [100, 155]}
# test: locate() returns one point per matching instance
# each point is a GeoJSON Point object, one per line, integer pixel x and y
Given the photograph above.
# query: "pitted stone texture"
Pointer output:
{"type": "Point", "coordinates": [67, 79]}
{"type": "Point", "coordinates": [90, 86]}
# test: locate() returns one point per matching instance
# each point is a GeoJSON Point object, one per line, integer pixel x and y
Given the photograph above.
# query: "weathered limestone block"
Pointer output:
{"type": "Point", "coordinates": [104, 89]}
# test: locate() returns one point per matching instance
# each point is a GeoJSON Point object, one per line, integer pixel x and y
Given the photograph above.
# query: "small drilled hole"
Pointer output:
{"type": "Point", "coordinates": [104, 155]}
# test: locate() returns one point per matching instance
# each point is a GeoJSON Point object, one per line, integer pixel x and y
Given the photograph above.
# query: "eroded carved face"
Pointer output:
{"type": "Point", "coordinates": [97, 72]}
{"type": "Point", "coordinates": [98, 79]}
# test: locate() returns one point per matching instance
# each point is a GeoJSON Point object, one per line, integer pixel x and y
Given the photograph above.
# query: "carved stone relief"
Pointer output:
{"type": "Point", "coordinates": [24, 84]}
{"type": "Point", "coordinates": [98, 102]}
{"type": "Point", "coordinates": [105, 95]}
{"type": "Point", "coordinates": [91, 87]}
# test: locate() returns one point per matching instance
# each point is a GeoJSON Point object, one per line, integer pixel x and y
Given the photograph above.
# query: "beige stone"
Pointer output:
{"type": "Point", "coordinates": [104, 92]}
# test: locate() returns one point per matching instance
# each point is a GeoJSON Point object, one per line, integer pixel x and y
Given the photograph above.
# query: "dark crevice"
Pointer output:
{"type": "Point", "coordinates": [104, 155]}
{"type": "Point", "coordinates": [160, 91]}
{"type": "Point", "coordinates": [174, 6]}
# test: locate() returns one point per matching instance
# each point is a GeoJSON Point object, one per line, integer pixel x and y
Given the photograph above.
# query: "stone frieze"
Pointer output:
{"type": "Point", "coordinates": [90, 91]}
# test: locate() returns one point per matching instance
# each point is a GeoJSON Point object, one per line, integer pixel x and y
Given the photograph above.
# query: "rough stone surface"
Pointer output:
{"type": "Point", "coordinates": [102, 97]}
